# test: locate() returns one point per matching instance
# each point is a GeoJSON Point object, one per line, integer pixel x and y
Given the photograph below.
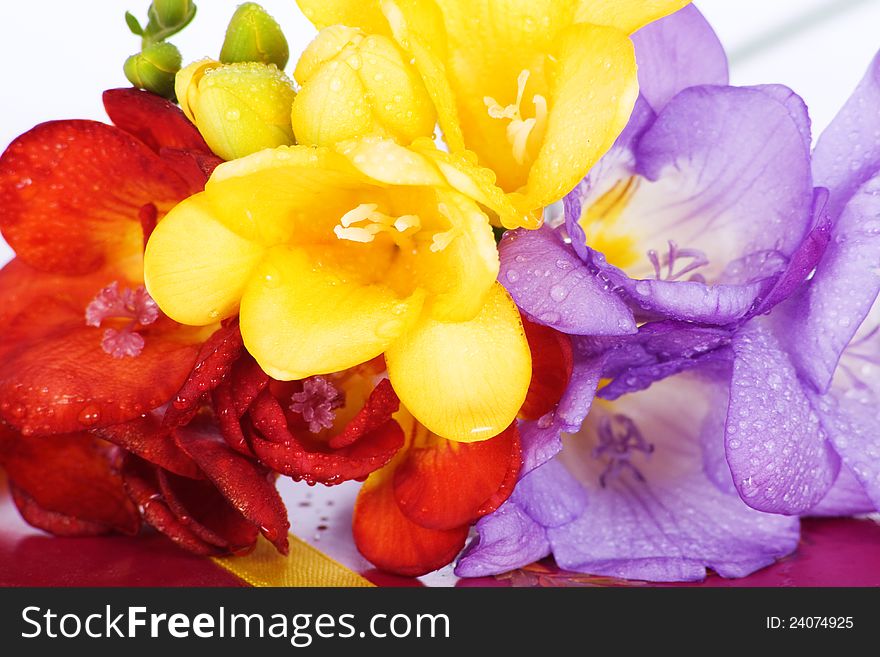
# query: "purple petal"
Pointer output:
{"type": "Point", "coordinates": [723, 194]}
{"type": "Point", "coordinates": [847, 497]}
{"type": "Point", "coordinates": [731, 175]}
{"type": "Point", "coordinates": [677, 52]}
{"type": "Point", "coordinates": [506, 539]}
{"type": "Point", "coordinates": [659, 350]}
{"type": "Point", "coordinates": [541, 439]}
{"type": "Point", "coordinates": [550, 283]}
{"type": "Point", "coordinates": [803, 261]}
{"type": "Point", "coordinates": [550, 495]}
{"type": "Point", "coordinates": [660, 517]}
{"type": "Point", "coordinates": [778, 454]}
{"type": "Point", "coordinates": [848, 151]}
{"type": "Point", "coordinates": [822, 319]}
{"type": "Point", "coordinates": [850, 412]}
{"type": "Point", "coordinates": [797, 108]}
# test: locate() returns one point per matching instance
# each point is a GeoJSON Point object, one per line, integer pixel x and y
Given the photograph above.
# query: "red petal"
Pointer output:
{"type": "Point", "coordinates": [194, 167]}
{"type": "Point", "coordinates": [378, 409]}
{"type": "Point", "coordinates": [70, 475]}
{"type": "Point", "coordinates": [142, 485]}
{"type": "Point", "coordinates": [248, 381]}
{"type": "Point", "coordinates": [36, 303]}
{"type": "Point", "coordinates": [228, 420]}
{"type": "Point", "coordinates": [71, 191]}
{"type": "Point", "coordinates": [290, 454]}
{"type": "Point", "coordinates": [52, 521]}
{"type": "Point", "coordinates": [201, 507]}
{"type": "Point", "coordinates": [146, 437]}
{"type": "Point", "coordinates": [212, 365]}
{"type": "Point", "coordinates": [239, 480]}
{"type": "Point", "coordinates": [65, 382]}
{"type": "Point", "coordinates": [152, 119]}
{"type": "Point", "coordinates": [552, 364]}
{"type": "Point", "coordinates": [392, 541]}
{"type": "Point", "coordinates": [442, 484]}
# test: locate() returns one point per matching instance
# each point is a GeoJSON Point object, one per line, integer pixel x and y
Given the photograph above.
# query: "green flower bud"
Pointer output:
{"type": "Point", "coordinates": [154, 68]}
{"type": "Point", "coordinates": [254, 36]}
{"type": "Point", "coordinates": [167, 14]}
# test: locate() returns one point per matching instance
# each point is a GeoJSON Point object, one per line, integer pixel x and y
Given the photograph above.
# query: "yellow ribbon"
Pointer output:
{"type": "Point", "coordinates": [304, 566]}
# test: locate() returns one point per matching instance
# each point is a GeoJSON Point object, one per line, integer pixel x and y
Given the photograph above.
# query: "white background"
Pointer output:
{"type": "Point", "coordinates": [56, 56]}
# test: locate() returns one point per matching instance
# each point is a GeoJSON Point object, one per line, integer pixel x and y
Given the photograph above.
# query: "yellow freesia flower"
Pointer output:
{"type": "Point", "coordinates": [333, 257]}
{"type": "Point", "coordinates": [239, 108]}
{"type": "Point", "coordinates": [538, 89]}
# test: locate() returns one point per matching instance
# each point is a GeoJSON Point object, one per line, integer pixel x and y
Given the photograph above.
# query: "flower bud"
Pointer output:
{"type": "Point", "coordinates": [238, 108]}
{"type": "Point", "coordinates": [354, 85]}
{"type": "Point", "coordinates": [171, 14]}
{"type": "Point", "coordinates": [154, 68]}
{"type": "Point", "coordinates": [254, 36]}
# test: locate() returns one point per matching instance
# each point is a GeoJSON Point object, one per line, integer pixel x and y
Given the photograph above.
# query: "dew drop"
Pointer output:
{"type": "Point", "coordinates": [89, 415]}
{"type": "Point", "coordinates": [558, 293]}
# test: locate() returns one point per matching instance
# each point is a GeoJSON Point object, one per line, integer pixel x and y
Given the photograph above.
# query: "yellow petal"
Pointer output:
{"type": "Point", "coordinates": [271, 196]}
{"type": "Point", "coordinates": [460, 268]}
{"type": "Point", "coordinates": [194, 267]}
{"type": "Point", "coordinates": [355, 86]}
{"type": "Point", "coordinates": [419, 29]}
{"type": "Point", "coordinates": [594, 86]}
{"type": "Point", "coordinates": [186, 83]}
{"type": "Point", "coordinates": [332, 106]}
{"type": "Point", "coordinates": [626, 15]}
{"type": "Point", "coordinates": [329, 43]}
{"type": "Point", "coordinates": [464, 381]}
{"type": "Point", "coordinates": [356, 13]}
{"type": "Point", "coordinates": [388, 162]}
{"type": "Point", "coordinates": [399, 99]}
{"type": "Point", "coordinates": [302, 316]}
{"type": "Point", "coordinates": [462, 173]}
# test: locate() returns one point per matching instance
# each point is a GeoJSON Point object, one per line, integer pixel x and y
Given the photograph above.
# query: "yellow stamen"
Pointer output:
{"type": "Point", "coordinates": [519, 130]}
{"type": "Point", "coordinates": [440, 241]}
{"type": "Point", "coordinates": [374, 222]}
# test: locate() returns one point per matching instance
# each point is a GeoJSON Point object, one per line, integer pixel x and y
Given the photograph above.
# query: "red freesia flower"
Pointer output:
{"type": "Point", "coordinates": [322, 430]}
{"type": "Point", "coordinates": [83, 347]}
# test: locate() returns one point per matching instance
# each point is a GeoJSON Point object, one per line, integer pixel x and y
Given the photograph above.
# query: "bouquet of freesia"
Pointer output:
{"type": "Point", "coordinates": [530, 270]}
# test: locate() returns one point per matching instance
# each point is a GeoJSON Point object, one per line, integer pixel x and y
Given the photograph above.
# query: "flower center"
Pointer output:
{"type": "Point", "coordinates": [135, 305]}
{"type": "Point", "coordinates": [675, 257]}
{"type": "Point", "coordinates": [317, 403]}
{"type": "Point", "coordinates": [519, 130]}
{"type": "Point", "coordinates": [364, 222]}
{"type": "Point", "coordinates": [619, 437]}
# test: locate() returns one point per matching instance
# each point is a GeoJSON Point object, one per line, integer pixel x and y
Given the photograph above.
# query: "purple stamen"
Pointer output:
{"type": "Point", "coordinates": [671, 259]}
{"type": "Point", "coordinates": [619, 437]}
{"type": "Point", "coordinates": [317, 403]}
{"type": "Point", "coordinates": [132, 304]}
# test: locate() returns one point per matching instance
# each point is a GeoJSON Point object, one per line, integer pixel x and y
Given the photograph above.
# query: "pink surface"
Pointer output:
{"type": "Point", "coordinates": [839, 552]}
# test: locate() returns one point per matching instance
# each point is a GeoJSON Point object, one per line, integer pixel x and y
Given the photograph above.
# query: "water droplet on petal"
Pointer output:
{"type": "Point", "coordinates": [89, 416]}
{"type": "Point", "coordinates": [558, 293]}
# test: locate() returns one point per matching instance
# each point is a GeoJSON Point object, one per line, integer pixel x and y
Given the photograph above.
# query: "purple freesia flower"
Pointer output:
{"type": "Point", "coordinates": [701, 220]}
